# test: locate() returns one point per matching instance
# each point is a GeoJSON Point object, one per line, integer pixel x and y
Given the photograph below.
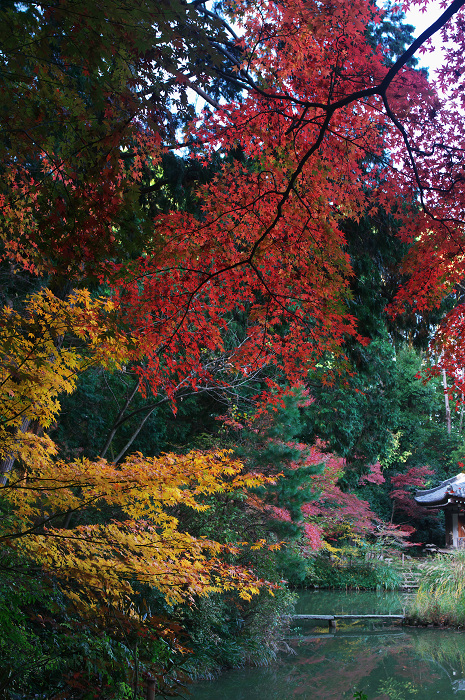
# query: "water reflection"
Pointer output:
{"type": "Point", "coordinates": [329, 602]}
{"type": "Point", "coordinates": [386, 663]}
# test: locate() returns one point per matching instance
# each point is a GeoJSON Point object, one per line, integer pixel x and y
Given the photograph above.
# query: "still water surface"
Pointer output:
{"type": "Point", "coordinates": [384, 661]}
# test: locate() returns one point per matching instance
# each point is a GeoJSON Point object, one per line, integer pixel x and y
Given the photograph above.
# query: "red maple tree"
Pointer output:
{"type": "Point", "coordinates": [402, 493]}
{"type": "Point", "coordinates": [328, 128]}
{"type": "Point", "coordinates": [268, 245]}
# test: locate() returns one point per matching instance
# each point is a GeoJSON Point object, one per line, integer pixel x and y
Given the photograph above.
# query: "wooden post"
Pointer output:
{"type": "Point", "coordinates": [332, 625]}
{"type": "Point", "coordinates": [150, 689]}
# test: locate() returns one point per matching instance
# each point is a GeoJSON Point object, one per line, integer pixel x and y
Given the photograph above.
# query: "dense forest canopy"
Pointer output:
{"type": "Point", "coordinates": [215, 322]}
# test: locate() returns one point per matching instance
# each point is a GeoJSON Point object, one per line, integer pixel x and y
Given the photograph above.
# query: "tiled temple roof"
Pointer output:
{"type": "Point", "coordinates": [447, 491]}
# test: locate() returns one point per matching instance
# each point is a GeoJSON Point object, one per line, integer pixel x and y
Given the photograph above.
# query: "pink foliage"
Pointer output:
{"type": "Point", "coordinates": [334, 512]}
{"type": "Point", "coordinates": [402, 496]}
{"type": "Point", "coordinates": [313, 536]}
{"type": "Point", "coordinates": [281, 514]}
{"type": "Point", "coordinates": [415, 476]}
{"type": "Point", "coordinates": [398, 533]}
{"type": "Point", "coordinates": [305, 399]}
{"type": "Point", "coordinates": [374, 476]}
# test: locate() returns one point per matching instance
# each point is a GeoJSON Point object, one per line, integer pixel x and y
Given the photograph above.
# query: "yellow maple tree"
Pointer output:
{"type": "Point", "coordinates": [36, 365]}
{"type": "Point", "coordinates": [131, 533]}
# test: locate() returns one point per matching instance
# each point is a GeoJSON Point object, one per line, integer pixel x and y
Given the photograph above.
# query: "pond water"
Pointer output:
{"type": "Point", "coordinates": [384, 661]}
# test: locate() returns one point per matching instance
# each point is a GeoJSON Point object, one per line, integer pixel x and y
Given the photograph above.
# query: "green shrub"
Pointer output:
{"type": "Point", "coordinates": [356, 573]}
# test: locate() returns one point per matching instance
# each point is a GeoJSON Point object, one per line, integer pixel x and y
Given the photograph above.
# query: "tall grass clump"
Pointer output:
{"type": "Point", "coordinates": [441, 596]}
{"type": "Point", "coordinates": [225, 632]}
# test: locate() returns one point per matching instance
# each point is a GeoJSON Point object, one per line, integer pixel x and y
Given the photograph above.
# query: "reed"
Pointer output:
{"type": "Point", "coordinates": [441, 596]}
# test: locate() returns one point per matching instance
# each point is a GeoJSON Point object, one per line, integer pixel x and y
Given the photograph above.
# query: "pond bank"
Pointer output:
{"type": "Point", "coordinates": [385, 661]}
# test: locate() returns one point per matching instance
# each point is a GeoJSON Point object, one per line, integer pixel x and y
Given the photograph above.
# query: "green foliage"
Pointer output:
{"type": "Point", "coordinates": [394, 34]}
{"type": "Point", "coordinates": [356, 416]}
{"type": "Point", "coordinates": [44, 646]}
{"type": "Point", "coordinates": [397, 689]}
{"type": "Point", "coordinates": [271, 446]}
{"type": "Point", "coordinates": [421, 420]}
{"type": "Point", "coordinates": [386, 412]}
{"type": "Point", "coordinates": [88, 414]}
{"type": "Point", "coordinates": [21, 650]}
